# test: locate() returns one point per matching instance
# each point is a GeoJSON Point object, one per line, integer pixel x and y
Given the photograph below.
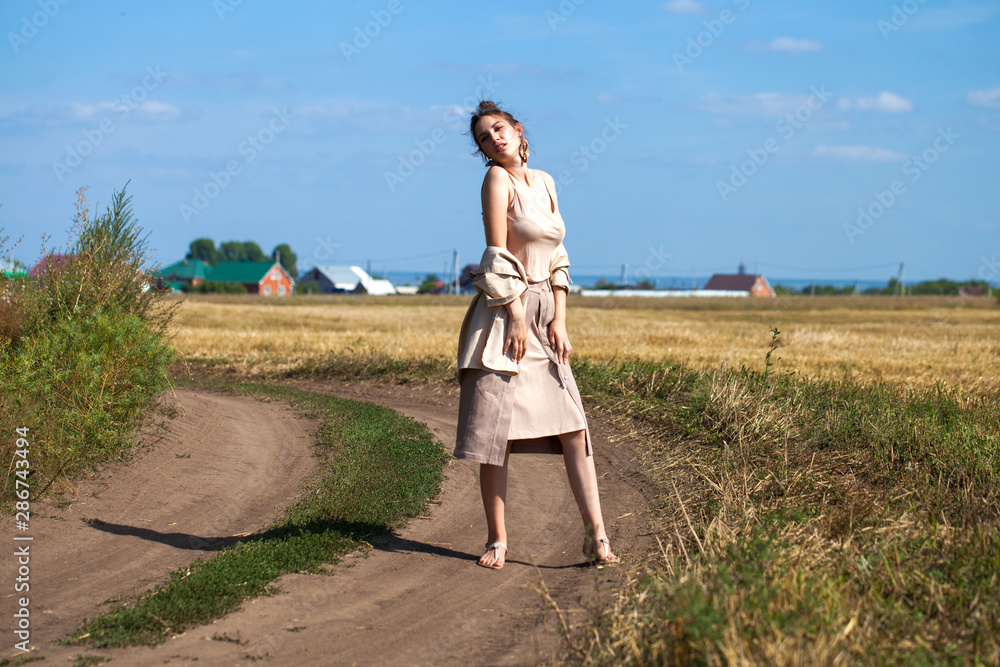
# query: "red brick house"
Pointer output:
{"type": "Point", "coordinates": [267, 278]}
{"type": "Point", "coordinates": [740, 282]}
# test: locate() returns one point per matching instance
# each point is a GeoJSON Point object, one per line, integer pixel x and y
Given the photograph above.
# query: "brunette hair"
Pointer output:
{"type": "Point", "coordinates": [488, 108]}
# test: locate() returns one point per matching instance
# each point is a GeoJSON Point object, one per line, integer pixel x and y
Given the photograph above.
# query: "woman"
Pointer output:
{"type": "Point", "coordinates": [517, 390]}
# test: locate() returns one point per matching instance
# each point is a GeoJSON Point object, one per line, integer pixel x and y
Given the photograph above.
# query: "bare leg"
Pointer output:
{"type": "Point", "coordinates": [493, 485]}
{"type": "Point", "coordinates": [583, 480]}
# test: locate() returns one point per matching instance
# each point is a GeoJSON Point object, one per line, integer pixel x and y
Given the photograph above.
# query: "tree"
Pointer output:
{"type": "Point", "coordinates": [232, 251]}
{"type": "Point", "coordinates": [287, 258]}
{"type": "Point", "coordinates": [203, 249]}
{"type": "Point", "coordinates": [253, 252]}
{"type": "Point", "coordinates": [431, 284]}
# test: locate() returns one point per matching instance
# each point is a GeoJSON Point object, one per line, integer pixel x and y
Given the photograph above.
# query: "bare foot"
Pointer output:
{"type": "Point", "coordinates": [496, 554]}
{"type": "Point", "coordinates": [599, 551]}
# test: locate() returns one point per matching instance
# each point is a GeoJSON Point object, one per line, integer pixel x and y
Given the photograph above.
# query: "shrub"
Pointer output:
{"type": "Point", "coordinates": [85, 386]}
{"type": "Point", "coordinates": [83, 349]}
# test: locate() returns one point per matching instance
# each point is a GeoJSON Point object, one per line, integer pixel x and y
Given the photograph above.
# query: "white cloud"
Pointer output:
{"type": "Point", "coordinates": [155, 110]}
{"type": "Point", "coordinates": [758, 104]}
{"type": "Point", "coordinates": [859, 153]}
{"type": "Point", "coordinates": [684, 7]}
{"type": "Point", "coordinates": [88, 111]}
{"type": "Point", "coordinates": [947, 18]}
{"type": "Point", "coordinates": [885, 102]}
{"type": "Point", "coordinates": [339, 108]}
{"type": "Point", "coordinates": [792, 45]}
{"type": "Point", "coordinates": [985, 98]}
{"type": "Point", "coordinates": [148, 109]}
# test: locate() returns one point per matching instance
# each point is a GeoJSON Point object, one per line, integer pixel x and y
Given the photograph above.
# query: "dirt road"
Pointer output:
{"type": "Point", "coordinates": [415, 597]}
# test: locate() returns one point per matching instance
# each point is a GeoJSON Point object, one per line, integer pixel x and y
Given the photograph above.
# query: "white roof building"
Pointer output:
{"type": "Point", "coordinates": [352, 279]}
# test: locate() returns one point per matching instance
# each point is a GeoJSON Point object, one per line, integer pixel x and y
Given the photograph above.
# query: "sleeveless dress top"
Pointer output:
{"type": "Point", "coordinates": [532, 408]}
{"type": "Point", "coordinates": [534, 229]}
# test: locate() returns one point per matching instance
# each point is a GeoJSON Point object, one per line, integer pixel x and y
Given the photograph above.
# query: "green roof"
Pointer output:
{"type": "Point", "coordinates": [239, 272]}
{"type": "Point", "coordinates": [186, 268]}
{"type": "Point", "coordinates": [223, 272]}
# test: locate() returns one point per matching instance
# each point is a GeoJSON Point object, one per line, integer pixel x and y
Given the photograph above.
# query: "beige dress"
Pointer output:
{"type": "Point", "coordinates": [538, 400]}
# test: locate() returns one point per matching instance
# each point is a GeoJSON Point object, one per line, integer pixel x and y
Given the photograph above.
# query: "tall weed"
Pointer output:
{"type": "Point", "coordinates": [84, 349]}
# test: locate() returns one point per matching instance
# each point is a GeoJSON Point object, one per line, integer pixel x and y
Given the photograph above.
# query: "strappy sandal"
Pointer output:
{"type": "Point", "coordinates": [590, 551]}
{"type": "Point", "coordinates": [494, 547]}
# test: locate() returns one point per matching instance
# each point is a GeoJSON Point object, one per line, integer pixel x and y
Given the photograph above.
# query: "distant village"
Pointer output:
{"type": "Point", "coordinates": [241, 267]}
{"type": "Point", "coordinates": [277, 276]}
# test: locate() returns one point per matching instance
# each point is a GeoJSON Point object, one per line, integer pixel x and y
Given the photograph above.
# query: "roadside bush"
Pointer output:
{"type": "Point", "coordinates": [86, 384]}
{"type": "Point", "coordinates": [83, 349]}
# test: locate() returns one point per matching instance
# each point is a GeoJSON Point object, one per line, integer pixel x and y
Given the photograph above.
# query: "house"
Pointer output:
{"type": "Point", "coordinates": [192, 271]}
{"type": "Point", "coordinates": [10, 269]}
{"type": "Point", "coordinates": [346, 279]}
{"type": "Point", "coordinates": [375, 286]}
{"type": "Point", "coordinates": [740, 283]}
{"type": "Point", "coordinates": [267, 278]}
{"type": "Point", "coordinates": [53, 260]}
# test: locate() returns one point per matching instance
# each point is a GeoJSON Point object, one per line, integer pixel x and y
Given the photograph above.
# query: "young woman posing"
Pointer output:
{"type": "Point", "coordinates": [517, 390]}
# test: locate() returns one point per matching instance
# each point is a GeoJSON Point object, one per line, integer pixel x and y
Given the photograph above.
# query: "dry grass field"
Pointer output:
{"type": "Point", "coordinates": [918, 340]}
{"type": "Point", "coordinates": [799, 522]}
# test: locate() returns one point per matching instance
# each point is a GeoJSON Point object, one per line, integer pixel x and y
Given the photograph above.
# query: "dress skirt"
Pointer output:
{"type": "Point", "coordinates": [530, 408]}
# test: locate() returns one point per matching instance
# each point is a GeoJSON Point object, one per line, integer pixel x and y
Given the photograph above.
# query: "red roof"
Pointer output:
{"type": "Point", "coordinates": [737, 282]}
{"type": "Point", "coordinates": [55, 259]}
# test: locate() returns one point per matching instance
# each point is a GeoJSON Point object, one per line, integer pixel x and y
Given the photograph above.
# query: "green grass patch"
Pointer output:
{"type": "Point", "coordinates": [806, 521]}
{"type": "Point", "coordinates": [380, 468]}
{"type": "Point", "coordinates": [376, 365]}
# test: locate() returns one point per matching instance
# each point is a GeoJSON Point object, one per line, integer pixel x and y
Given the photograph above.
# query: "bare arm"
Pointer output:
{"type": "Point", "coordinates": [558, 338]}
{"type": "Point", "coordinates": [496, 199]}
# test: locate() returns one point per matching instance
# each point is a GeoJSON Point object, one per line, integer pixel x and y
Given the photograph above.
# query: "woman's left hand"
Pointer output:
{"type": "Point", "coordinates": [559, 340]}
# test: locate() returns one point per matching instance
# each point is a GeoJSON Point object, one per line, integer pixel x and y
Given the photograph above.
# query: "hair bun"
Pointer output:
{"type": "Point", "coordinates": [485, 106]}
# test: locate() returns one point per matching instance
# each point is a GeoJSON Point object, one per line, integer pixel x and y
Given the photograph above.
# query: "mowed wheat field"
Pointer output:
{"type": "Point", "coordinates": [918, 340]}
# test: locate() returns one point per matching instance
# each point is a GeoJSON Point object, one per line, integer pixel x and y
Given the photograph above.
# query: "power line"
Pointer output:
{"type": "Point", "coordinates": [813, 269]}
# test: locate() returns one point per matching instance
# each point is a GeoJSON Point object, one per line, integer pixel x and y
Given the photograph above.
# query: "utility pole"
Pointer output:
{"type": "Point", "coordinates": [624, 282]}
{"type": "Point", "coordinates": [902, 279]}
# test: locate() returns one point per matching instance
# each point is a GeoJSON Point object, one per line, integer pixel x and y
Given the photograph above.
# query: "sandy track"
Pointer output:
{"type": "Point", "coordinates": [416, 597]}
{"type": "Point", "coordinates": [224, 468]}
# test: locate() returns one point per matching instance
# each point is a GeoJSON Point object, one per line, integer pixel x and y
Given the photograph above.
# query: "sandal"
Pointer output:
{"type": "Point", "coordinates": [494, 547]}
{"type": "Point", "coordinates": [590, 546]}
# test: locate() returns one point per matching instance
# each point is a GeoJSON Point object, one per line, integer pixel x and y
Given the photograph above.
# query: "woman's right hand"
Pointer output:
{"type": "Point", "coordinates": [517, 331]}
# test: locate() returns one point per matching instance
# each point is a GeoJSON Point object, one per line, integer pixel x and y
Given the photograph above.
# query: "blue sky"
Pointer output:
{"type": "Point", "coordinates": [825, 140]}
